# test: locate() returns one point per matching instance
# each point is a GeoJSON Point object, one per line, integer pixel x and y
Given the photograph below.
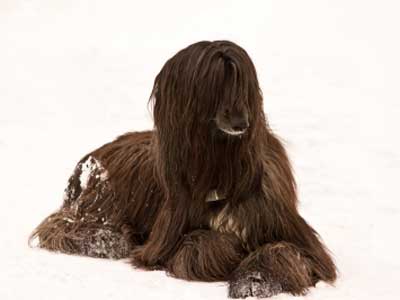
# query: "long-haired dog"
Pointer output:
{"type": "Point", "coordinates": [207, 195]}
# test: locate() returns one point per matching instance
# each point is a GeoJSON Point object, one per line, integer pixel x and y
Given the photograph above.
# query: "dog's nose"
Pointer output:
{"type": "Point", "coordinates": [239, 123]}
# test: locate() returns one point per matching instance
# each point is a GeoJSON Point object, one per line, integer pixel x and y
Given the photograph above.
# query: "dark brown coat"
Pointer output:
{"type": "Point", "coordinates": [144, 194]}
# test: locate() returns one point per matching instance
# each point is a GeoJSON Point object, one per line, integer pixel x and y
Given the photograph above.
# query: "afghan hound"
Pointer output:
{"type": "Point", "coordinates": [207, 195]}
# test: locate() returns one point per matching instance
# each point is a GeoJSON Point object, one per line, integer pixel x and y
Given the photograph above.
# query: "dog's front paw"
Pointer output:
{"type": "Point", "coordinates": [253, 285]}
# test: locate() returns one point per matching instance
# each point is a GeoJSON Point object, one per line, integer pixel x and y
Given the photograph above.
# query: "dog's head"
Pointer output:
{"type": "Point", "coordinates": [208, 87]}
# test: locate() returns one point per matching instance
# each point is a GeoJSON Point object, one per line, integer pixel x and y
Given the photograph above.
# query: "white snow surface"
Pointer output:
{"type": "Point", "coordinates": [75, 74]}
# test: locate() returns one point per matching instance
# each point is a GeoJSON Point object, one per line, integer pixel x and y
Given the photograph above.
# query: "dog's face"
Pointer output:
{"type": "Point", "coordinates": [231, 119]}
{"type": "Point", "coordinates": [205, 88]}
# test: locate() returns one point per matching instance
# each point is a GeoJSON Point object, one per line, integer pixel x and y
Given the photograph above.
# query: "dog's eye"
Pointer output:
{"type": "Point", "coordinates": [226, 113]}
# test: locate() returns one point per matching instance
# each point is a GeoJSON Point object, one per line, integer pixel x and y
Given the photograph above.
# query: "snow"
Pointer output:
{"type": "Point", "coordinates": [87, 168]}
{"type": "Point", "coordinates": [258, 287]}
{"type": "Point", "coordinates": [75, 74]}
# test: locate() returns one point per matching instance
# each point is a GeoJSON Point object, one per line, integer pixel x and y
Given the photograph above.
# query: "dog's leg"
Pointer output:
{"type": "Point", "coordinates": [85, 224]}
{"type": "Point", "coordinates": [292, 265]}
{"type": "Point", "coordinates": [206, 255]}
{"type": "Point", "coordinates": [62, 232]}
{"type": "Point", "coordinates": [167, 233]}
{"type": "Point", "coordinates": [288, 255]}
{"type": "Point", "coordinates": [270, 270]}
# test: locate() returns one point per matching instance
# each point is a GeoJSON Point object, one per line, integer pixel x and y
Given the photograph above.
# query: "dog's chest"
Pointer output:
{"type": "Point", "coordinates": [224, 220]}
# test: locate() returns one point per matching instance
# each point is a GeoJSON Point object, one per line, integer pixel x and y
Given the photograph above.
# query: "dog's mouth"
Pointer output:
{"type": "Point", "coordinates": [233, 132]}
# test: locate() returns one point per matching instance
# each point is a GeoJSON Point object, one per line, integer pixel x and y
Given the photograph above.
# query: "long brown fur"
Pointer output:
{"type": "Point", "coordinates": [143, 195]}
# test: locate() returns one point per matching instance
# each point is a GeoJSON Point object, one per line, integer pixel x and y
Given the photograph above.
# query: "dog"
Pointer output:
{"type": "Point", "coordinates": [207, 195]}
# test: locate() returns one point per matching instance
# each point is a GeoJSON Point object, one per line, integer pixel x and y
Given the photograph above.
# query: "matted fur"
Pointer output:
{"type": "Point", "coordinates": [144, 195]}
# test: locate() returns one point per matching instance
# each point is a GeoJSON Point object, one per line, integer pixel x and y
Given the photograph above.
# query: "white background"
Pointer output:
{"type": "Point", "coordinates": [76, 73]}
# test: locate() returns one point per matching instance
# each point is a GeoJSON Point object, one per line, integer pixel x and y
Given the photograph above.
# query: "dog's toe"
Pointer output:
{"type": "Point", "coordinates": [253, 285]}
